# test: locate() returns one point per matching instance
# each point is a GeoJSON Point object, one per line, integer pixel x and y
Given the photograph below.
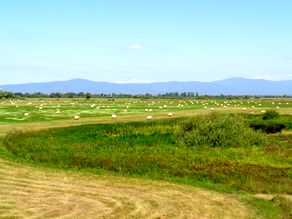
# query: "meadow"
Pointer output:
{"type": "Point", "coordinates": [131, 146]}
{"type": "Point", "coordinates": [40, 110]}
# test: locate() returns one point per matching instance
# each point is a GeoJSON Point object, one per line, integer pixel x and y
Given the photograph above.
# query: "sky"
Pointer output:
{"type": "Point", "coordinates": [127, 41]}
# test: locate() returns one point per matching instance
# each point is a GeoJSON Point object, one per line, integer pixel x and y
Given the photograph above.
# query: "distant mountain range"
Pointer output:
{"type": "Point", "coordinates": [232, 86]}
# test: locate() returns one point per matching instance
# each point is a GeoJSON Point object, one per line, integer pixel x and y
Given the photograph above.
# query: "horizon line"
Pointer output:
{"type": "Point", "coordinates": [143, 82]}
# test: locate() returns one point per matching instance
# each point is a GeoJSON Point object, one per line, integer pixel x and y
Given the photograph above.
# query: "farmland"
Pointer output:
{"type": "Point", "coordinates": [42, 135]}
{"type": "Point", "coordinates": [44, 112]}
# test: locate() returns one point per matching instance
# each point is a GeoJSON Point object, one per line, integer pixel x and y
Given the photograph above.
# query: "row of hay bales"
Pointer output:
{"type": "Point", "coordinates": [114, 116]}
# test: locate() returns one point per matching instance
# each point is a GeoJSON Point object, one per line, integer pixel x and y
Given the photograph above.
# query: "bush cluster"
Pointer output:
{"type": "Point", "coordinates": [268, 123]}
{"type": "Point", "coordinates": [271, 114]}
{"type": "Point", "coordinates": [217, 130]}
{"type": "Point", "coordinates": [268, 127]}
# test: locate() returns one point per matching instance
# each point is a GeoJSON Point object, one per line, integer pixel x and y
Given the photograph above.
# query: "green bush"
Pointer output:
{"type": "Point", "coordinates": [268, 127]}
{"type": "Point", "coordinates": [217, 130]}
{"type": "Point", "coordinates": [271, 114]}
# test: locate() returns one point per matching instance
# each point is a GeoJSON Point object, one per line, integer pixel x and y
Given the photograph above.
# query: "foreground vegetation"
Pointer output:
{"type": "Point", "coordinates": [232, 155]}
{"type": "Point", "coordinates": [148, 149]}
{"type": "Point", "coordinates": [34, 192]}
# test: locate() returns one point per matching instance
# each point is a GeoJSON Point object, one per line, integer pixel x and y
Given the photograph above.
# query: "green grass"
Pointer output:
{"type": "Point", "coordinates": [148, 150]}
{"type": "Point", "coordinates": [12, 111]}
{"type": "Point", "coordinates": [263, 208]}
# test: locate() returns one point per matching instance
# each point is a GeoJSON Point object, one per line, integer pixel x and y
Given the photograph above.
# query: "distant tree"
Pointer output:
{"type": "Point", "coordinates": [80, 94]}
{"type": "Point", "coordinates": [70, 95]}
{"type": "Point", "coordinates": [56, 95]}
{"type": "Point", "coordinates": [183, 94]}
{"type": "Point", "coordinates": [6, 95]}
{"type": "Point", "coordinates": [191, 94]}
{"type": "Point", "coordinates": [88, 96]}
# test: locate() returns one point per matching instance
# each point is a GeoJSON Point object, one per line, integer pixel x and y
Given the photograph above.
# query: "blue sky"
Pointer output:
{"type": "Point", "coordinates": [144, 40]}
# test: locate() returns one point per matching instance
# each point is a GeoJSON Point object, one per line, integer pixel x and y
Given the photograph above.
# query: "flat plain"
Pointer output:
{"type": "Point", "coordinates": [96, 166]}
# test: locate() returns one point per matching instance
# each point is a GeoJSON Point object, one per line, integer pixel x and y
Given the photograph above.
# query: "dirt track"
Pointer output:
{"type": "Point", "coordinates": [28, 192]}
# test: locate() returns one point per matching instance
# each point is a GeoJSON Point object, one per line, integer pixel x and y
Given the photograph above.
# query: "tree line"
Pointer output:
{"type": "Point", "coordinates": [19, 95]}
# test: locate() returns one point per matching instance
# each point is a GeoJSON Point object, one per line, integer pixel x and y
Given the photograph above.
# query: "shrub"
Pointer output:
{"type": "Point", "coordinates": [271, 114]}
{"type": "Point", "coordinates": [217, 130]}
{"type": "Point", "coordinates": [268, 127]}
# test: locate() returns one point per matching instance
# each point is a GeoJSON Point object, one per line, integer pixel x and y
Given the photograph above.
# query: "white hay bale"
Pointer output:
{"type": "Point", "coordinates": [26, 114]}
{"type": "Point", "coordinates": [114, 116]}
{"type": "Point", "coordinates": [170, 114]}
{"type": "Point", "coordinates": [149, 117]}
{"type": "Point", "coordinates": [76, 117]}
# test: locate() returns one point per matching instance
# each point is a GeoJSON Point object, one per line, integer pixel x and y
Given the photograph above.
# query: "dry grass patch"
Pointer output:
{"type": "Point", "coordinates": [28, 192]}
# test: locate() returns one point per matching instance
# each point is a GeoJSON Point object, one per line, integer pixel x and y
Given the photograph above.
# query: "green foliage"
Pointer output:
{"type": "Point", "coordinates": [270, 114]}
{"type": "Point", "coordinates": [268, 127]}
{"type": "Point", "coordinates": [6, 95]}
{"type": "Point", "coordinates": [148, 149]}
{"type": "Point", "coordinates": [88, 96]}
{"type": "Point", "coordinates": [271, 125]}
{"type": "Point", "coordinates": [217, 130]}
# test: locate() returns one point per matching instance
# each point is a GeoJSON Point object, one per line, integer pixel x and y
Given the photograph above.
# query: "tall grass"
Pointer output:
{"type": "Point", "coordinates": [148, 149]}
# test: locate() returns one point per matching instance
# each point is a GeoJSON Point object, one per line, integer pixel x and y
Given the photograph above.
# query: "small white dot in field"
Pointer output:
{"type": "Point", "coordinates": [149, 117]}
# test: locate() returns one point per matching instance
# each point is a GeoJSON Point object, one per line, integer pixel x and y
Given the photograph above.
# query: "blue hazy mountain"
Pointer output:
{"type": "Point", "coordinates": [232, 86]}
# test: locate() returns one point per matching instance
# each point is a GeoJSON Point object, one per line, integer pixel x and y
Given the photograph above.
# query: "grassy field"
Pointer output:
{"type": "Point", "coordinates": [148, 149]}
{"type": "Point", "coordinates": [130, 146]}
{"type": "Point", "coordinates": [42, 113]}
{"type": "Point", "coordinates": [12, 111]}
